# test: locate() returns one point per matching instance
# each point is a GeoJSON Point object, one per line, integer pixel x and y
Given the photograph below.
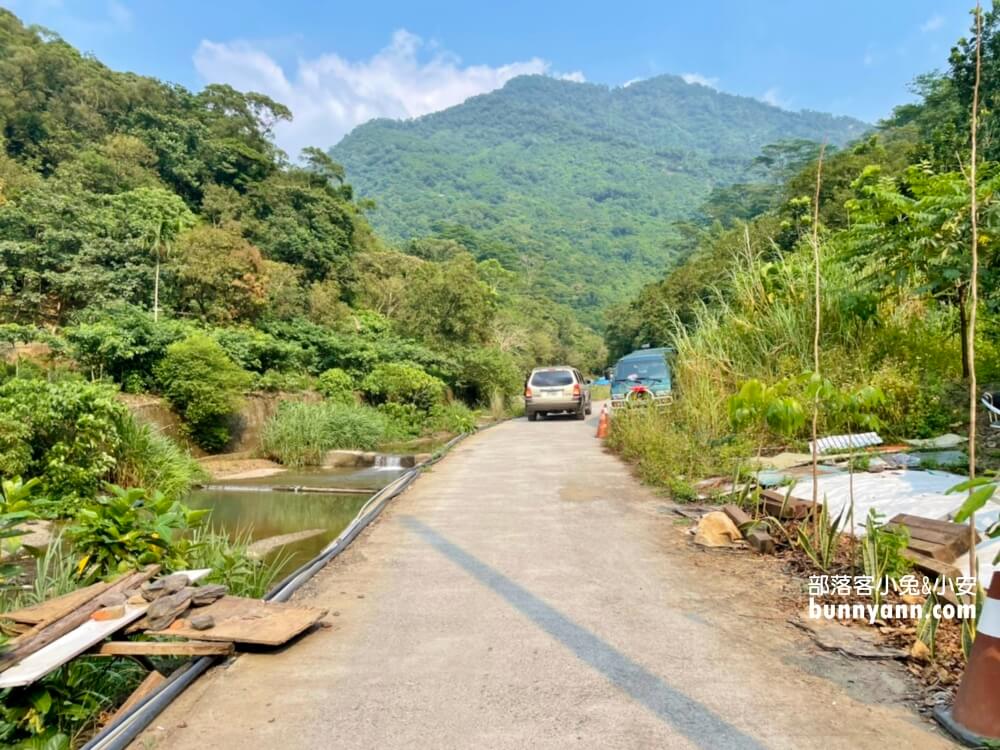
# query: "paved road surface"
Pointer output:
{"type": "Point", "coordinates": [529, 593]}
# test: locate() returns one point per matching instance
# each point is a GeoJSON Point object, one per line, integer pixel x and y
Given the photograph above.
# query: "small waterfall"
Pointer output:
{"type": "Point", "coordinates": [388, 463]}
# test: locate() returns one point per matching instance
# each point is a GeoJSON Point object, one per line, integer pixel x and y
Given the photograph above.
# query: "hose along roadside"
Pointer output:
{"type": "Point", "coordinates": [120, 733]}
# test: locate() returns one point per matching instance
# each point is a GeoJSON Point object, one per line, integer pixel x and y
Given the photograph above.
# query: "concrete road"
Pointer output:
{"type": "Point", "coordinates": [529, 593]}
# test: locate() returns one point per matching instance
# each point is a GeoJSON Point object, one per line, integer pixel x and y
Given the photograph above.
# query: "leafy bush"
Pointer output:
{"type": "Point", "coordinates": [56, 711]}
{"type": "Point", "coordinates": [276, 380]}
{"type": "Point", "coordinates": [453, 417]}
{"type": "Point", "coordinates": [204, 385]}
{"type": "Point", "coordinates": [123, 342]}
{"type": "Point", "coordinates": [124, 529]}
{"type": "Point", "coordinates": [301, 433]}
{"type": "Point", "coordinates": [336, 385]}
{"type": "Point", "coordinates": [403, 384]}
{"type": "Point", "coordinates": [403, 421]}
{"type": "Point", "coordinates": [916, 403]}
{"type": "Point", "coordinates": [485, 372]}
{"type": "Point", "coordinates": [259, 351]}
{"type": "Point", "coordinates": [147, 458]}
{"type": "Point", "coordinates": [64, 432]}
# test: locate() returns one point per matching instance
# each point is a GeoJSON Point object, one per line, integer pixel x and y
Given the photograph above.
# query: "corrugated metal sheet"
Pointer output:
{"type": "Point", "coordinates": [840, 443]}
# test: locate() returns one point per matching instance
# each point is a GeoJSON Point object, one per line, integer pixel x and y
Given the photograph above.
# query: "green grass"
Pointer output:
{"type": "Point", "coordinates": [301, 433]}
{"type": "Point", "coordinates": [147, 458]}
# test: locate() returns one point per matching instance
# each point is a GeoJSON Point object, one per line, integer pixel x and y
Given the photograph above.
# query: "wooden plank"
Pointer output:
{"type": "Point", "coordinates": [249, 621]}
{"type": "Point", "coordinates": [777, 505]}
{"type": "Point", "coordinates": [164, 648]}
{"type": "Point", "coordinates": [946, 527]}
{"type": "Point", "coordinates": [758, 538]}
{"type": "Point", "coordinates": [932, 549]}
{"type": "Point", "coordinates": [737, 515]}
{"type": "Point", "coordinates": [35, 641]}
{"type": "Point", "coordinates": [954, 537]}
{"type": "Point", "coordinates": [153, 681]}
{"type": "Point", "coordinates": [52, 609]}
{"type": "Point", "coordinates": [74, 641]}
{"type": "Point", "coordinates": [930, 565]}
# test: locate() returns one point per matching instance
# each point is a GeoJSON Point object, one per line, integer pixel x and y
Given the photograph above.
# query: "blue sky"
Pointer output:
{"type": "Point", "coordinates": [337, 64]}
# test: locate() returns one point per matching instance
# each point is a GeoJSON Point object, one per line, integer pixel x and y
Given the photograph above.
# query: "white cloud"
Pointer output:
{"type": "Point", "coordinates": [773, 97]}
{"type": "Point", "coordinates": [712, 83]}
{"type": "Point", "coordinates": [933, 23]}
{"type": "Point", "coordinates": [630, 81]}
{"type": "Point", "coordinates": [576, 76]}
{"type": "Point", "coordinates": [330, 95]}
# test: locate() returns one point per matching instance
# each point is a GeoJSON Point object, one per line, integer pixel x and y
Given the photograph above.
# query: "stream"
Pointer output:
{"type": "Point", "coordinates": [241, 506]}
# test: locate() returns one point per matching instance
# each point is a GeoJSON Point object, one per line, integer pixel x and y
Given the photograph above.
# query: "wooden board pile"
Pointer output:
{"type": "Point", "coordinates": [200, 620]}
{"type": "Point", "coordinates": [934, 545]}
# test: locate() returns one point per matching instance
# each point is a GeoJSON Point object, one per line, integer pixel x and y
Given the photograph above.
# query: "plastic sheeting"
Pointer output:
{"type": "Point", "coordinates": [918, 493]}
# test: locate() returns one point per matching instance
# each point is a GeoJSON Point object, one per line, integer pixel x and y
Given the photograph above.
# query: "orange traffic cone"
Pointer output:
{"type": "Point", "coordinates": [602, 424]}
{"type": "Point", "coordinates": [975, 717]}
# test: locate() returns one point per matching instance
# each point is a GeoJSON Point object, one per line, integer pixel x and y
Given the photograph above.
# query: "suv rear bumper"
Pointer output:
{"type": "Point", "coordinates": [537, 407]}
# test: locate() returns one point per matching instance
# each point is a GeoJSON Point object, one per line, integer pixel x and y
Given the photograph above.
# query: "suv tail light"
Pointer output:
{"type": "Point", "coordinates": [527, 392]}
{"type": "Point", "coordinates": [576, 390]}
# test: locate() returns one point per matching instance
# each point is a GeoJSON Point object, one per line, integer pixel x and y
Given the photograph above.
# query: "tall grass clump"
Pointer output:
{"type": "Point", "coordinates": [147, 458]}
{"type": "Point", "coordinates": [762, 327]}
{"type": "Point", "coordinates": [231, 562]}
{"type": "Point", "coordinates": [301, 433]}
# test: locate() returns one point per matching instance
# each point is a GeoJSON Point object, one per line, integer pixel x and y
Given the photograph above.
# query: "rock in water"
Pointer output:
{"type": "Point", "coordinates": [207, 594]}
{"type": "Point", "coordinates": [166, 609]}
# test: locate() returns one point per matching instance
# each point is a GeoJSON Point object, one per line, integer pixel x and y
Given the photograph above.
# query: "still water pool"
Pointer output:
{"type": "Point", "coordinates": [245, 506]}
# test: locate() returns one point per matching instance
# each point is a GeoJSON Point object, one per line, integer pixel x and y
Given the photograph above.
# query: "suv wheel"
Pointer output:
{"type": "Point", "coordinates": [532, 416]}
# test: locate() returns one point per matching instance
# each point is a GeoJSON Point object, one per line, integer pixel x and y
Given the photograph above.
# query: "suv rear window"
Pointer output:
{"type": "Point", "coordinates": [552, 378]}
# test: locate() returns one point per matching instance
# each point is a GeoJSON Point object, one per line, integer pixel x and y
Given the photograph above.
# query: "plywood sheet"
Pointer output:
{"type": "Point", "coordinates": [53, 609]}
{"type": "Point", "coordinates": [250, 621]}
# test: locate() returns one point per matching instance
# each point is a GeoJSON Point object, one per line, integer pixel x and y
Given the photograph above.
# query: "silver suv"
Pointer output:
{"type": "Point", "coordinates": [556, 389]}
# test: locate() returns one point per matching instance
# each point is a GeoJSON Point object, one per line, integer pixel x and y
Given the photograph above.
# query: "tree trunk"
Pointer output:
{"type": "Point", "coordinates": [963, 328]}
{"type": "Point", "coordinates": [156, 291]}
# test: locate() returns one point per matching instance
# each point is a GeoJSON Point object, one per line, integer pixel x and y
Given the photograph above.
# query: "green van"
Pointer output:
{"type": "Point", "coordinates": [642, 377]}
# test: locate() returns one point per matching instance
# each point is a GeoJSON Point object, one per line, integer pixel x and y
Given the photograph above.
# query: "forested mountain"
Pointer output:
{"type": "Point", "coordinates": [582, 183]}
{"type": "Point", "coordinates": [123, 197]}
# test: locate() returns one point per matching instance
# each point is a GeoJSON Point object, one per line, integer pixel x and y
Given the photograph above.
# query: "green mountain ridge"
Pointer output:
{"type": "Point", "coordinates": [582, 182]}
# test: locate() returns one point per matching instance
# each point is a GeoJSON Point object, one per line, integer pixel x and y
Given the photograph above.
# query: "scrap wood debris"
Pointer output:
{"type": "Point", "coordinates": [56, 631]}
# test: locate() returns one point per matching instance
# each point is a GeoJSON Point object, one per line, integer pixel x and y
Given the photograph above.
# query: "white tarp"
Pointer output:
{"type": "Point", "coordinates": [918, 493]}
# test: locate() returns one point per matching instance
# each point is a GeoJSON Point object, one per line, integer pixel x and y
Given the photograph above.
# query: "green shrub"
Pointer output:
{"type": "Point", "coordinates": [277, 381]}
{"type": "Point", "coordinates": [259, 351]}
{"type": "Point", "coordinates": [916, 403]}
{"type": "Point", "coordinates": [64, 432]}
{"type": "Point", "coordinates": [336, 385]}
{"type": "Point", "coordinates": [301, 433]}
{"type": "Point", "coordinates": [123, 342]}
{"type": "Point", "coordinates": [147, 458]}
{"type": "Point", "coordinates": [454, 417]}
{"type": "Point", "coordinates": [403, 421]}
{"type": "Point", "coordinates": [486, 372]}
{"type": "Point", "coordinates": [124, 529]}
{"type": "Point", "coordinates": [403, 384]}
{"type": "Point", "coordinates": [204, 385]}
